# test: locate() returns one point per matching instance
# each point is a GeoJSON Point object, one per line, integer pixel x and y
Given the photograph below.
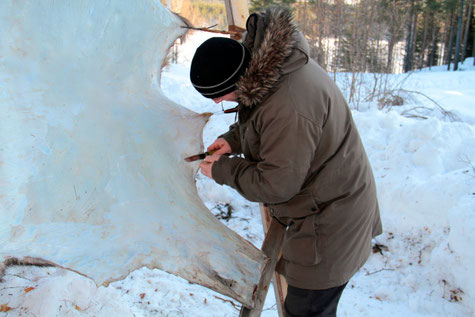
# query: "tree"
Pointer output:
{"type": "Point", "coordinates": [459, 35]}
{"type": "Point", "coordinates": [467, 28]}
{"type": "Point", "coordinates": [425, 38]}
{"type": "Point", "coordinates": [426, 46]}
{"type": "Point", "coordinates": [315, 21]}
{"type": "Point", "coordinates": [449, 8]}
{"type": "Point", "coordinates": [365, 35]}
{"type": "Point", "coordinates": [411, 35]}
{"type": "Point", "coordinates": [258, 5]}
{"type": "Point", "coordinates": [473, 50]}
{"type": "Point", "coordinates": [392, 13]}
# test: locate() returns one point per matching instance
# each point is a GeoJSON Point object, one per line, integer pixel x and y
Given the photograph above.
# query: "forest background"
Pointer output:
{"type": "Point", "coordinates": [353, 37]}
{"type": "Point", "coordinates": [366, 35]}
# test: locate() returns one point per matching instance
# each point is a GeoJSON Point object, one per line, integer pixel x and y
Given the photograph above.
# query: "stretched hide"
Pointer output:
{"type": "Point", "coordinates": [92, 176]}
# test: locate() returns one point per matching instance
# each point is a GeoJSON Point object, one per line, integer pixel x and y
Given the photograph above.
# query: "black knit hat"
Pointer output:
{"type": "Point", "coordinates": [217, 65]}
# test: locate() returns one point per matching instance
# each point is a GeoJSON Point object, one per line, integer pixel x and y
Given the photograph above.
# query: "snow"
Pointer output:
{"type": "Point", "coordinates": [423, 262]}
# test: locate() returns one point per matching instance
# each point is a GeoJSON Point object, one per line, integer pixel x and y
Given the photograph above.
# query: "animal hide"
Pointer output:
{"type": "Point", "coordinates": [92, 176]}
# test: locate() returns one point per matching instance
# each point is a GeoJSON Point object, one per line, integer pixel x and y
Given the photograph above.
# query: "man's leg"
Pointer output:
{"type": "Point", "coordinates": [303, 302]}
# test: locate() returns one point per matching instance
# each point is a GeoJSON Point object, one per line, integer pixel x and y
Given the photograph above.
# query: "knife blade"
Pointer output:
{"type": "Point", "coordinates": [200, 156]}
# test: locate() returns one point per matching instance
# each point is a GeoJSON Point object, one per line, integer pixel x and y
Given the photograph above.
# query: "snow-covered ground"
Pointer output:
{"type": "Point", "coordinates": [421, 266]}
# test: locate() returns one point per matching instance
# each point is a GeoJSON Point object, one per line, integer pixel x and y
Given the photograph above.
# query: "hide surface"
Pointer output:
{"type": "Point", "coordinates": [92, 175]}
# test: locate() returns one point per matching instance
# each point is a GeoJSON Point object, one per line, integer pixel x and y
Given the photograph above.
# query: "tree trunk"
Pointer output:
{"type": "Point", "coordinates": [473, 51]}
{"type": "Point", "coordinates": [451, 36]}
{"type": "Point", "coordinates": [459, 36]}
{"type": "Point", "coordinates": [408, 57]}
{"type": "Point", "coordinates": [467, 29]}
{"type": "Point", "coordinates": [367, 33]}
{"type": "Point", "coordinates": [394, 30]}
{"type": "Point", "coordinates": [446, 33]}
{"type": "Point", "coordinates": [336, 55]}
{"type": "Point", "coordinates": [389, 65]}
{"type": "Point", "coordinates": [413, 38]}
{"type": "Point", "coordinates": [424, 39]}
{"type": "Point", "coordinates": [433, 45]}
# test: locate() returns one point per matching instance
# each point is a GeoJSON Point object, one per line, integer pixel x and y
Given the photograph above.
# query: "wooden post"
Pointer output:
{"type": "Point", "coordinates": [271, 248]}
{"type": "Point", "coordinates": [279, 281]}
{"type": "Point", "coordinates": [236, 13]}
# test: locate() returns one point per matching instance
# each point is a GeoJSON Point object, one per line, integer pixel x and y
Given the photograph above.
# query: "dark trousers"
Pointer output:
{"type": "Point", "coordinates": [305, 303]}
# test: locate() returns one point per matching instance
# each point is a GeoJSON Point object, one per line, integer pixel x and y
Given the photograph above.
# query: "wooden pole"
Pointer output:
{"type": "Point", "coordinates": [237, 13]}
{"type": "Point", "coordinates": [234, 34]}
{"type": "Point", "coordinates": [271, 247]}
{"type": "Point", "coordinates": [279, 281]}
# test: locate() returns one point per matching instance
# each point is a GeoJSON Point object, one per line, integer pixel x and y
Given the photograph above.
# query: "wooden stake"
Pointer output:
{"type": "Point", "coordinates": [271, 248]}
{"type": "Point", "coordinates": [279, 281]}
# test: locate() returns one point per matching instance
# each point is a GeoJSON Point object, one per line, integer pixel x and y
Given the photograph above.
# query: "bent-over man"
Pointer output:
{"type": "Point", "coordinates": [303, 156]}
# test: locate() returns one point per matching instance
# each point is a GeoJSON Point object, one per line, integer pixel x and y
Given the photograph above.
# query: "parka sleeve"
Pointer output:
{"type": "Point", "coordinates": [287, 147]}
{"type": "Point", "coordinates": [233, 138]}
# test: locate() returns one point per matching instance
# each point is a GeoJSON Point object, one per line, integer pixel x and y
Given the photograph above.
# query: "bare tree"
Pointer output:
{"type": "Point", "coordinates": [337, 30]}
{"type": "Point", "coordinates": [313, 21]}
{"type": "Point", "coordinates": [393, 13]}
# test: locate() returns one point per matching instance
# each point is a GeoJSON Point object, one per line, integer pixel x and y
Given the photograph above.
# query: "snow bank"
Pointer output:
{"type": "Point", "coordinates": [425, 182]}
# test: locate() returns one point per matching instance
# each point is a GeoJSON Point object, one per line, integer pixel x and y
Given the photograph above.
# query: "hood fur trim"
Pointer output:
{"type": "Point", "coordinates": [276, 31]}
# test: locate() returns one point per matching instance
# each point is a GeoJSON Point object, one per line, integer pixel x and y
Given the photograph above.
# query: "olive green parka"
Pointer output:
{"type": "Point", "coordinates": [303, 156]}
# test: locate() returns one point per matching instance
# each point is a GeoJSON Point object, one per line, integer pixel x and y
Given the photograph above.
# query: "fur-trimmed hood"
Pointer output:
{"type": "Point", "coordinates": [277, 48]}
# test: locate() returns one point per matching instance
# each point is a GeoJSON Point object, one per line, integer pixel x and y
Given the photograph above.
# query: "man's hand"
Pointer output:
{"type": "Point", "coordinates": [220, 146]}
{"type": "Point", "coordinates": [206, 169]}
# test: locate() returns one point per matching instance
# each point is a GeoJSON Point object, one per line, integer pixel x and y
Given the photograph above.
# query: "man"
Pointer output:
{"type": "Point", "coordinates": [303, 156]}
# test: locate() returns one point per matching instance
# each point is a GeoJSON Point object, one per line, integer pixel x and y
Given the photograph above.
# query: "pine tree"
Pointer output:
{"type": "Point", "coordinates": [467, 28]}
{"type": "Point", "coordinates": [459, 35]}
